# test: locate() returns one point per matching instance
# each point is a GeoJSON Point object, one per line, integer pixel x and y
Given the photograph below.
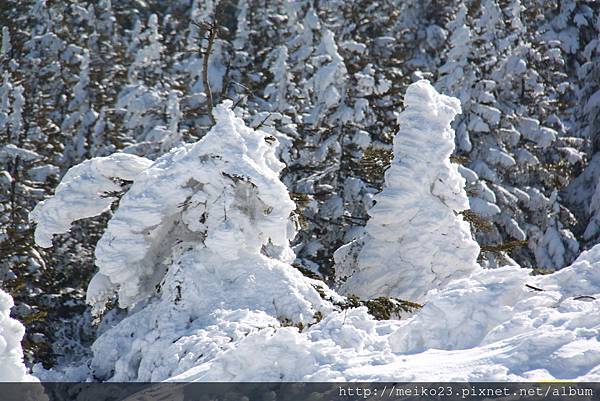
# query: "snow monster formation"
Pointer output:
{"type": "Point", "coordinates": [197, 252]}
{"type": "Point", "coordinates": [416, 239]}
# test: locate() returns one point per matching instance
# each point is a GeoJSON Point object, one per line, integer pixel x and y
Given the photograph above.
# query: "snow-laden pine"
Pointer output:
{"type": "Point", "coordinates": [416, 239]}
{"type": "Point", "coordinates": [197, 251]}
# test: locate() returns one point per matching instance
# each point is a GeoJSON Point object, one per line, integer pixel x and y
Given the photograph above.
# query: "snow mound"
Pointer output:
{"type": "Point", "coordinates": [495, 325]}
{"type": "Point", "coordinates": [12, 368]}
{"type": "Point", "coordinates": [415, 240]}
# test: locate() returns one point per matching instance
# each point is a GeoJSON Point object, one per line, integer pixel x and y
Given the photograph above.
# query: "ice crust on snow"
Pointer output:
{"type": "Point", "coordinates": [415, 240]}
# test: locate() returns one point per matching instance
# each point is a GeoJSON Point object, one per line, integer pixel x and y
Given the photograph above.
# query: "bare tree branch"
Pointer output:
{"type": "Point", "coordinates": [212, 36]}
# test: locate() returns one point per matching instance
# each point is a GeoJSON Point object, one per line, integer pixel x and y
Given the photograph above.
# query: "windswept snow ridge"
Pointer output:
{"type": "Point", "coordinates": [415, 240]}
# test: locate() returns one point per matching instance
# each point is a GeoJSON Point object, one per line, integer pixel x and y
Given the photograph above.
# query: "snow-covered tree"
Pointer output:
{"type": "Point", "coordinates": [416, 240]}
{"type": "Point", "coordinates": [81, 119]}
{"type": "Point", "coordinates": [282, 88]}
{"type": "Point", "coordinates": [592, 229]}
{"type": "Point", "coordinates": [11, 354]}
{"type": "Point", "coordinates": [457, 74]}
{"type": "Point", "coordinates": [582, 192]}
{"type": "Point", "coordinates": [215, 221]}
{"type": "Point", "coordinates": [22, 171]}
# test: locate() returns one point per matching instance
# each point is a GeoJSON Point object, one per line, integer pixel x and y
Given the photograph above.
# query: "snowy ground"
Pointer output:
{"type": "Point", "coordinates": [489, 327]}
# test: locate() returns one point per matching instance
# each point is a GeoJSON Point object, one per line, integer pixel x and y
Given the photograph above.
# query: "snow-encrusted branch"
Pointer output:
{"type": "Point", "coordinates": [85, 191]}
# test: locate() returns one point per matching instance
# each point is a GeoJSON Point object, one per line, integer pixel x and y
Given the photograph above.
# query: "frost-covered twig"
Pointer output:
{"type": "Point", "coordinates": [212, 29]}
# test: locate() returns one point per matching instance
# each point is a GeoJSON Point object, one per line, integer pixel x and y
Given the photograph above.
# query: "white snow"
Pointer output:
{"type": "Point", "coordinates": [11, 151]}
{"type": "Point", "coordinates": [483, 208]}
{"type": "Point", "coordinates": [41, 173]}
{"type": "Point", "coordinates": [496, 156]}
{"type": "Point", "coordinates": [541, 136]}
{"type": "Point", "coordinates": [12, 368]}
{"type": "Point", "coordinates": [487, 327]}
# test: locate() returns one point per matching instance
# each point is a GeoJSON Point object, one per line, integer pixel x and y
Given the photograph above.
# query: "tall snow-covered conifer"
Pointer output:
{"type": "Point", "coordinates": [416, 240]}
